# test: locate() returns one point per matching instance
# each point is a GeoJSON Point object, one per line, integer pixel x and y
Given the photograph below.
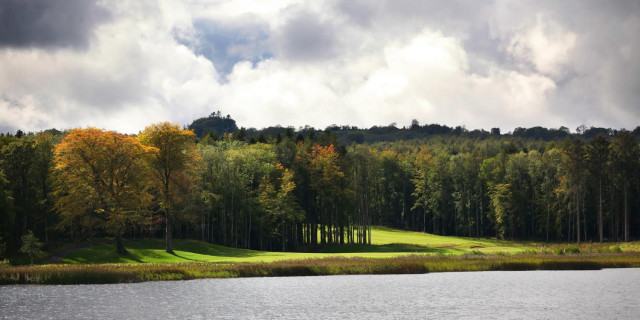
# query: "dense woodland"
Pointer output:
{"type": "Point", "coordinates": [287, 189]}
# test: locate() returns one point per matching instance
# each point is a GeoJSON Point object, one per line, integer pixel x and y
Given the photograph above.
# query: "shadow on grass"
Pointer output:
{"type": "Point", "coordinates": [151, 250]}
{"type": "Point", "coordinates": [182, 257]}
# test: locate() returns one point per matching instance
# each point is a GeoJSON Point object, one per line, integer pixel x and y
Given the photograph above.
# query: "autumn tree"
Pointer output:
{"type": "Point", "coordinates": [173, 163]}
{"type": "Point", "coordinates": [102, 180]}
{"type": "Point", "coordinates": [328, 181]}
{"type": "Point", "coordinates": [501, 205]}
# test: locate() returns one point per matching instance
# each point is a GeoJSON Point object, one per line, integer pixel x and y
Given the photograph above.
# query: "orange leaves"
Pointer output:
{"type": "Point", "coordinates": [324, 159]}
{"type": "Point", "coordinates": [101, 172]}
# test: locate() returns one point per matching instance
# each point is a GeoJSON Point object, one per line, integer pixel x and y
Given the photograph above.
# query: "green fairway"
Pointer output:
{"type": "Point", "coordinates": [386, 243]}
{"type": "Point", "coordinates": [383, 236]}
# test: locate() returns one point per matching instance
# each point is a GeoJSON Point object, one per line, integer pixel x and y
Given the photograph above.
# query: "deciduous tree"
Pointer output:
{"type": "Point", "coordinates": [173, 163]}
{"type": "Point", "coordinates": [102, 179]}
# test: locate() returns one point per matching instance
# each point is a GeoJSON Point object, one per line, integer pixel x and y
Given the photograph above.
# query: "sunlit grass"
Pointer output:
{"type": "Point", "coordinates": [381, 235]}
{"type": "Point", "coordinates": [392, 251]}
{"type": "Point", "coordinates": [387, 243]}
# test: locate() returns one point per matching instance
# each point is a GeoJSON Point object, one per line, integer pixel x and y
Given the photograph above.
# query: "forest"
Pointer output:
{"type": "Point", "coordinates": [282, 189]}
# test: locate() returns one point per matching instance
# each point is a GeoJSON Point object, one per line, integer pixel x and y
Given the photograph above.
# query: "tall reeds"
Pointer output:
{"type": "Point", "coordinates": [125, 273]}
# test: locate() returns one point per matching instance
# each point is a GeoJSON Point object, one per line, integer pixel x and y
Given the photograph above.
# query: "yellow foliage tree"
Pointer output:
{"type": "Point", "coordinates": [173, 164]}
{"type": "Point", "coordinates": [102, 180]}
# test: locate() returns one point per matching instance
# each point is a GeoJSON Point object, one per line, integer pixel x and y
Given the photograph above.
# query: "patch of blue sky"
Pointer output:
{"type": "Point", "coordinates": [225, 46]}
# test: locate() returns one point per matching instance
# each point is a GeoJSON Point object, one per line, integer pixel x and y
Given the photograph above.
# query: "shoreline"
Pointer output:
{"type": "Point", "coordinates": [60, 274]}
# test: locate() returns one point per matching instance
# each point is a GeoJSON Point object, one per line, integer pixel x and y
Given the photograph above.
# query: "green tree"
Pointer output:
{"type": "Point", "coordinates": [624, 162]}
{"type": "Point", "coordinates": [278, 200]}
{"type": "Point", "coordinates": [7, 214]}
{"type": "Point", "coordinates": [549, 184]}
{"type": "Point", "coordinates": [31, 246]}
{"type": "Point", "coordinates": [597, 159]}
{"type": "Point", "coordinates": [3, 247]}
{"type": "Point", "coordinates": [427, 191]}
{"type": "Point", "coordinates": [17, 162]}
{"type": "Point", "coordinates": [573, 176]}
{"type": "Point", "coordinates": [519, 180]}
{"type": "Point", "coordinates": [42, 169]}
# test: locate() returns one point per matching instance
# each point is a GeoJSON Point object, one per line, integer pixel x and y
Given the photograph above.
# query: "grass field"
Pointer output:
{"type": "Point", "coordinates": [386, 243]}
{"type": "Point", "coordinates": [391, 252]}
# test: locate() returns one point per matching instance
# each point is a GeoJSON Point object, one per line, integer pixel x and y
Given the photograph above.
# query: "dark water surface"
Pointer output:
{"type": "Point", "coordinates": [605, 294]}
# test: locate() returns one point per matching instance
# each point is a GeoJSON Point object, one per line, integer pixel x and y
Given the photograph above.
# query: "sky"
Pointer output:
{"type": "Point", "coordinates": [122, 65]}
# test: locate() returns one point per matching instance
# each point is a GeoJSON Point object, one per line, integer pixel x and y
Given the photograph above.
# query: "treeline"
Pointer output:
{"type": "Point", "coordinates": [216, 125]}
{"type": "Point", "coordinates": [306, 189]}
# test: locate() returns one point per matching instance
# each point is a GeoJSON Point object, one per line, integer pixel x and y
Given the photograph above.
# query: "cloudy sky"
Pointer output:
{"type": "Point", "coordinates": [125, 64]}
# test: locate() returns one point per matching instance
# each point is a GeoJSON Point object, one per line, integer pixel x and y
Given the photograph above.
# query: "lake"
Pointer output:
{"type": "Point", "coordinates": [604, 294]}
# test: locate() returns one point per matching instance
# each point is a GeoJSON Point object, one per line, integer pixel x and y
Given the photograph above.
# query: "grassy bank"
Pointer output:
{"type": "Point", "coordinates": [412, 264]}
{"type": "Point", "coordinates": [387, 243]}
{"type": "Point", "coordinates": [391, 252]}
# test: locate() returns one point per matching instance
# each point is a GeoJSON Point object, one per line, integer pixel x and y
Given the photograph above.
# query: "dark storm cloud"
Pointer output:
{"type": "Point", "coordinates": [306, 38]}
{"type": "Point", "coordinates": [49, 23]}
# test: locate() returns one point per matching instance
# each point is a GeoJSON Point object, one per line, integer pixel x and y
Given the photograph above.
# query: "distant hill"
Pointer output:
{"type": "Point", "coordinates": [351, 134]}
{"type": "Point", "coordinates": [213, 123]}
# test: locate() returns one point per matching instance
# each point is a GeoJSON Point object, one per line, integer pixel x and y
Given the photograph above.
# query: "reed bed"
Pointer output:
{"type": "Point", "coordinates": [415, 264]}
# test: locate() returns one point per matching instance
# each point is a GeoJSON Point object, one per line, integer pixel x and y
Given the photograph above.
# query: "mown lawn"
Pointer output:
{"type": "Point", "coordinates": [386, 243]}
{"type": "Point", "coordinates": [392, 251]}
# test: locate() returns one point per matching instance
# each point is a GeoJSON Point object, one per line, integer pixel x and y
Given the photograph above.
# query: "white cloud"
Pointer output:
{"type": "Point", "coordinates": [547, 46]}
{"type": "Point", "coordinates": [134, 73]}
{"type": "Point", "coordinates": [487, 65]}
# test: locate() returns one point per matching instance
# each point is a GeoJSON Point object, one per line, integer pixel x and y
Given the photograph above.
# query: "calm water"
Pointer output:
{"type": "Point", "coordinates": [606, 294]}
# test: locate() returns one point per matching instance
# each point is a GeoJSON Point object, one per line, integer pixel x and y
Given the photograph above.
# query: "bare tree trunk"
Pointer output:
{"type": "Point", "coordinates": [548, 214]}
{"type": "Point", "coordinates": [249, 231]}
{"type": "Point", "coordinates": [600, 209]}
{"type": "Point", "coordinates": [283, 233]}
{"type": "Point", "coordinates": [577, 217]}
{"type": "Point", "coordinates": [120, 249]}
{"type": "Point", "coordinates": [626, 216]}
{"type": "Point", "coordinates": [169, 231]}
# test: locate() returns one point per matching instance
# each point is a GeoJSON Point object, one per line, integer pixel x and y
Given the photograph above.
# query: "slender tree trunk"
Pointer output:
{"type": "Point", "coordinates": [626, 215]}
{"type": "Point", "coordinates": [169, 231]}
{"type": "Point", "coordinates": [600, 209]}
{"type": "Point", "coordinates": [120, 249]}
{"type": "Point", "coordinates": [577, 217]}
{"type": "Point", "coordinates": [203, 228]}
{"type": "Point", "coordinates": [548, 216]}
{"type": "Point", "coordinates": [249, 232]}
{"type": "Point", "coordinates": [283, 233]}
{"type": "Point", "coordinates": [424, 220]}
